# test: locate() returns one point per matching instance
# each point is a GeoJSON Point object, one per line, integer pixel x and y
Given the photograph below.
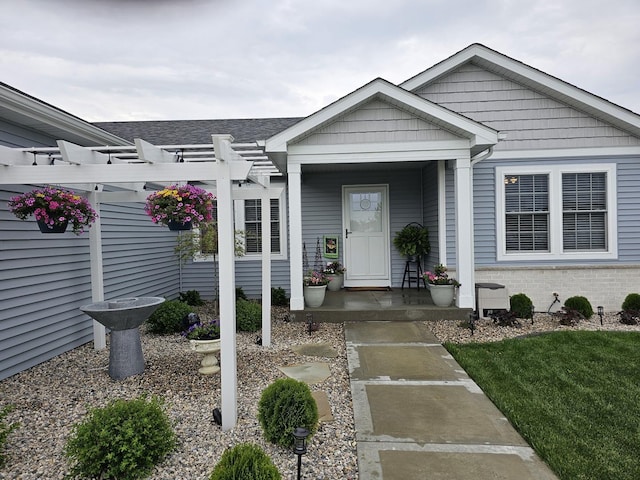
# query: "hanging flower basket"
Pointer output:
{"type": "Point", "coordinates": [54, 209]}
{"type": "Point", "coordinates": [180, 207]}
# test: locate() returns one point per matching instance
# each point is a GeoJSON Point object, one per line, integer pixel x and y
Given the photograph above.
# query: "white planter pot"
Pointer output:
{"type": "Point", "coordinates": [335, 282]}
{"type": "Point", "coordinates": [442, 295]}
{"type": "Point", "coordinates": [209, 363]}
{"type": "Point", "coordinates": [314, 295]}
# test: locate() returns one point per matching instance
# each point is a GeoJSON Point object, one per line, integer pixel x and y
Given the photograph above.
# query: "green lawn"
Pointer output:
{"type": "Point", "coordinates": [574, 396]}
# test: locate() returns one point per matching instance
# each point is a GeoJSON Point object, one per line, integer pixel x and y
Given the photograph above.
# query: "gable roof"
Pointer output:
{"type": "Point", "coordinates": [532, 78]}
{"type": "Point", "coordinates": [172, 132]}
{"type": "Point", "coordinates": [30, 112]}
{"type": "Point", "coordinates": [479, 135]}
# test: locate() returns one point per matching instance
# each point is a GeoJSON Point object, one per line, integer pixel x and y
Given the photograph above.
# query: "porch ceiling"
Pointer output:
{"type": "Point", "coordinates": [360, 167]}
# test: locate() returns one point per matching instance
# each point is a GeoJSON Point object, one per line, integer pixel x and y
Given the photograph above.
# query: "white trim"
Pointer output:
{"type": "Point", "coordinates": [377, 157]}
{"type": "Point", "coordinates": [442, 212]}
{"type": "Point", "coordinates": [555, 212]}
{"type": "Point", "coordinates": [464, 233]}
{"type": "Point", "coordinates": [296, 301]}
{"type": "Point", "coordinates": [554, 153]}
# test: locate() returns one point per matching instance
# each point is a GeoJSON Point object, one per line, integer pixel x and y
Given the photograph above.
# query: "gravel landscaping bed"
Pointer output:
{"type": "Point", "coordinates": [51, 397]}
{"type": "Point", "coordinates": [487, 331]}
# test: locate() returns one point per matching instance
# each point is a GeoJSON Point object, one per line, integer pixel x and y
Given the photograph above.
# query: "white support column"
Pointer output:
{"type": "Point", "coordinates": [226, 262]}
{"type": "Point", "coordinates": [265, 203]}
{"type": "Point", "coordinates": [442, 212]}
{"type": "Point", "coordinates": [97, 274]}
{"type": "Point", "coordinates": [465, 266]}
{"type": "Point", "coordinates": [295, 234]}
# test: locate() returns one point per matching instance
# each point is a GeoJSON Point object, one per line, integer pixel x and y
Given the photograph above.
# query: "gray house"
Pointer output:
{"type": "Point", "coordinates": [521, 178]}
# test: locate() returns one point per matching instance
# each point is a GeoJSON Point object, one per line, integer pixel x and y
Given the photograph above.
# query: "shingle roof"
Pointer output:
{"type": "Point", "coordinates": [183, 132]}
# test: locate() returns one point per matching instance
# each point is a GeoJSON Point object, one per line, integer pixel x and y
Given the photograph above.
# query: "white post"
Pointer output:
{"type": "Point", "coordinates": [295, 234]}
{"type": "Point", "coordinates": [464, 233]}
{"type": "Point", "coordinates": [265, 204]}
{"type": "Point", "coordinates": [97, 277]}
{"type": "Point", "coordinates": [226, 264]}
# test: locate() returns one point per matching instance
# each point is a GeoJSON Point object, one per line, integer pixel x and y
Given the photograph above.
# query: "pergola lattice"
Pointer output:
{"type": "Point", "coordinates": [123, 173]}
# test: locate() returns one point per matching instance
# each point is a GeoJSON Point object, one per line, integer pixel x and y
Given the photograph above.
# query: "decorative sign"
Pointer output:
{"type": "Point", "coordinates": [330, 246]}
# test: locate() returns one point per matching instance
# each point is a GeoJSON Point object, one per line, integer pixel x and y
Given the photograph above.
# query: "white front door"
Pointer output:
{"type": "Point", "coordinates": [365, 230]}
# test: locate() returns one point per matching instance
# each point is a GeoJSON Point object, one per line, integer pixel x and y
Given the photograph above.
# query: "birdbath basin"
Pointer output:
{"type": "Point", "coordinates": [123, 316]}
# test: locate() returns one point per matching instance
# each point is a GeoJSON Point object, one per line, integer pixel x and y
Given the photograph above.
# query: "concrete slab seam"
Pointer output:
{"type": "Point", "coordinates": [353, 359]}
{"type": "Point", "coordinates": [525, 453]}
{"type": "Point", "coordinates": [470, 385]}
{"type": "Point", "coordinates": [398, 344]}
{"type": "Point", "coordinates": [361, 411]}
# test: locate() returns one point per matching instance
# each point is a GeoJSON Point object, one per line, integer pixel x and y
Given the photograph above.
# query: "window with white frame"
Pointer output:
{"type": "Point", "coordinates": [556, 212]}
{"type": "Point", "coordinates": [248, 227]}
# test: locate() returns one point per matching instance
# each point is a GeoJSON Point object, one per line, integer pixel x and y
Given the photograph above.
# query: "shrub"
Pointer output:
{"type": "Point", "coordinates": [506, 319]}
{"type": "Point", "coordinates": [169, 317]}
{"type": "Point", "coordinates": [570, 316]}
{"type": "Point", "coordinates": [283, 406]}
{"type": "Point", "coordinates": [279, 297]}
{"type": "Point", "coordinates": [521, 304]}
{"type": "Point", "coordinates": [629, 317]}
{"type": "Point", "coordinates": [5, 430]}
{"type": "Point", "coordinates": [123, 440]}
{"type": "Point", "coordinates": [248, 316]}
{"type": "Point", "coordinates": [581, 304]}
{"type": "Point", "coordinates": [240, 295]}
{"type": "Point", "coordinates": [245, 461]}
{"type": "Point", "coordinates": [631, 302]}
{"type": "Point", "coordinates": [191, 297]}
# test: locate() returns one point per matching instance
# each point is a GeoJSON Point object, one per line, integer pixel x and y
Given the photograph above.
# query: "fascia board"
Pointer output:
{"type": "Point", "coordinates": [41, 112]}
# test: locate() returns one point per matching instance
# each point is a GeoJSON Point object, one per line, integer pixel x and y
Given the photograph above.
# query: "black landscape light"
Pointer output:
{"type": "Point", "coordinates": [600, 312]}
{"type": "Point", "coordinates": [300, 445]}
{"type": "Point", "coordinates": [217, 416]}
{"type": "Point", "coordinates": [533, 310]}
{"type": "Point", "coordinates": [472, 321]}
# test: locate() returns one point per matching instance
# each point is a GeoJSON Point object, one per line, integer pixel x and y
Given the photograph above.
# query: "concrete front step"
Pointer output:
{"type": "Point", "coordinates": [323, 315]}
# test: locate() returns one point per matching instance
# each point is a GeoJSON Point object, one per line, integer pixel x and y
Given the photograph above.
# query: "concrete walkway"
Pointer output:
{"type": "Point", "coordinates": [418, 415]}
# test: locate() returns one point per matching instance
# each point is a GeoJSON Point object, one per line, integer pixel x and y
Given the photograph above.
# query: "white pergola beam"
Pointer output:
{"type": "Point", "coordinates": [152, 154]}
{"type": "Point", "coordinates": [107, 174]}
{"type": "Point", "coordinates": [12, 156]}
{"type": "Point", "coordinates": [77, 155]}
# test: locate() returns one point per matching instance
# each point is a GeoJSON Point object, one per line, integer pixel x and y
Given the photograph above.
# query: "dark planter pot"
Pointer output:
{"type": "Point", "coordinates": [58, 228]}
{"type": "Point", "coordinates": [177, 226]}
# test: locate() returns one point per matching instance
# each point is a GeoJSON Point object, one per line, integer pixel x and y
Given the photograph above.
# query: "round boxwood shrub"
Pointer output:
{"type": "Point", "coordinates": [248, 316]}
{"type": "Point", "coordinates": [520, 304]}
{"type": "Point", "coordinates": [123, 440]}
{"type": "Point", "coordinates": [579, 304]}
{"type": "Point", "coordinates": [285, 405]}
{"type": "Point", "coordinates": [168, 317]}
{"type": "Point", "coordinates": [631, 302]}
{"type": "Point", "coordinates": [246, 461]}
{"type": "Point", "coordinates": [279, 297]}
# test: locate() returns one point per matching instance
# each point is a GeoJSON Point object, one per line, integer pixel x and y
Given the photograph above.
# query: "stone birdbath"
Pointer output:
{"type": "Point", "coordinates": [123, 316]}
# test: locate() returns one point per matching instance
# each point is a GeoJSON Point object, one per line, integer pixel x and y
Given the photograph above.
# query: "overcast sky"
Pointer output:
{"type": "Point", "coordinates": [110, 60]}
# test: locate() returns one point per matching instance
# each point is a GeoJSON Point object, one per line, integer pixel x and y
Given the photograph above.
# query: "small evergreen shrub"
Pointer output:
{"type": "Point", "coordinates": [245, 461]}
{"type": "Point", "coordinates": [283, 406]}
{"type": "Point", "coordinates": [123, 440]}
{"type": "Point", "coordinates": [169, 317]}
{"type": "Point", "coordinates": [631, 302]}
{"type": "Point", "coordinates": [279, 297]}
{"type": "Point", "coordinates": [521, 304]}
{"type": "Point", "coordinates": [248, 316]}
{"type": "Point", "coordinates": [191, 297]}
{"type": "Point", "coordinates": [5, 430]}
{"type": "Point", "coordinates": [240, 295]}
{"type": "Point", "coordinates": [581, 304]}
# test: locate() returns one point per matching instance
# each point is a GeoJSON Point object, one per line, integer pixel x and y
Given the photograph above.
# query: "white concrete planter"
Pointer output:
{"type": "Point", "coordinates": [336, 280]}
{"type": "Point", "coordinates": [209, 363]}
{"type": "Point", "coordinates": [442, 295]}
{"type": "Point", "coordinates": [314, 295]}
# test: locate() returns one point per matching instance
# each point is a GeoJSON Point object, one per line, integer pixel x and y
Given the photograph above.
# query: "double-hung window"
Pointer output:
{"type": "Point", "coordinates": [253, 226]}
{"type": "Point", "coordinates": [556, 212]}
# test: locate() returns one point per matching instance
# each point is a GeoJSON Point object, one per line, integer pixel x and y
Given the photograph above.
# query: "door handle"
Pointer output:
{"type": "Point", "coordinates": [346, 233]}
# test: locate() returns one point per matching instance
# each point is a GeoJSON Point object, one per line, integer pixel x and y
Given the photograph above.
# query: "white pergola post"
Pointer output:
{"type": "Point", "coordinates": [295, 233]}
{"type": "Point", "coordinates": [97, 273]}
{"type": "Point", "coordinates": [464, 233]}
{"type": "Point", "coordinates": [265, 203]}
{"type": "Point", "coordinates": [226, 264]}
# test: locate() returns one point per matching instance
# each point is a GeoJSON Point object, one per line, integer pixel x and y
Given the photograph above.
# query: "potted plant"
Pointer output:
{"type": "Point", "coordinates": [204, 337]}
{"type": "Point", "coordinates": [54, 209]}
{"type": "Point", "coordinates": [412, 241]}
{"type": "Point", "coordinates": [334, 271]}
{"type": "Point", "coordinates": [315, 286]}
{"type": "Point", "coordinates": [441, 286]}
{"type": "Point", "coordinates": [180, 206]}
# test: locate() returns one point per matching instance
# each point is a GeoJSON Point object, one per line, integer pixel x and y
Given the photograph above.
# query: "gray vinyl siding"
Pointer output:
{"type": "Point", "coordinates": [12, 135]}
{"type": "Point", "coordinates": [45, 278]}
{"type": "Point", "coordinates": [322, 207]}
{"type": "Point", "coordinates": [377, 121]}
{"type": "Point", "coordinates": [628, 197]}
{"type": "Point", "coordinates": [531, 120]}
{"type": "Point", "coordinates": [430, 211]}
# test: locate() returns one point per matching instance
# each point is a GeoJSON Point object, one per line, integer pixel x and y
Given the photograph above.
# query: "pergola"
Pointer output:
{"type": "Point", "coordinates": [121, 174]}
